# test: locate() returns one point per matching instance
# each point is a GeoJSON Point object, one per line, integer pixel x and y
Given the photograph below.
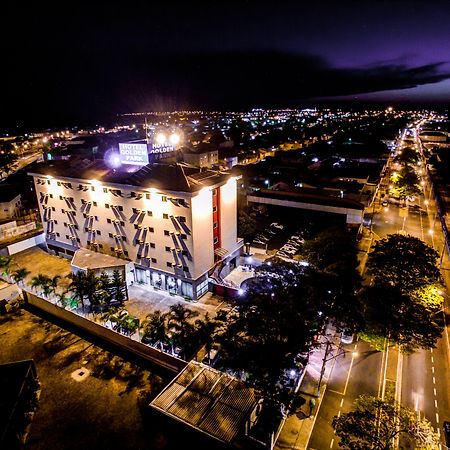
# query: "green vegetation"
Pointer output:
{"type": "Point", "coordinates": [376, 424]}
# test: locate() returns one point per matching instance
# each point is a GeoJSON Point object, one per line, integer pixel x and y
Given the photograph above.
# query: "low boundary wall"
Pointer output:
{"type": "Point", "coordinates": [144, 351]}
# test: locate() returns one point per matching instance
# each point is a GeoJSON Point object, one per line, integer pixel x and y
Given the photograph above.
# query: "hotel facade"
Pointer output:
{"type": "Point", "coordinates": [173, 221]}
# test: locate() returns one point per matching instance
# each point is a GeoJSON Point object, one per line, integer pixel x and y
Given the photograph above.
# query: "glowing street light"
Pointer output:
{"type": "Point", "coordinates": [174, 138]}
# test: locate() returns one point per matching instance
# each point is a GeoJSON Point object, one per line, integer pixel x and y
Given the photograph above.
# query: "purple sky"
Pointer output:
{"type": "Point", "coordinates": [116, 57]}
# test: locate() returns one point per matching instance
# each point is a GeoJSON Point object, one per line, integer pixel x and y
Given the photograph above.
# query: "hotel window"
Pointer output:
{"type": "Point", "coordinates": [92, 188]}
{"type": "Point", "coordinates": [110, 235]}
{"type": "Point", "coordinates": [65, 224]}
{"type": "Point", "coordinates": [139, 256]}
{"type": "Point", "coordinates": [100, 245]}
{"type": "Point", "coordinates": [166, 233]}
{"type": "Point", "coordinates": [182, 219]}
{"type": "Point", "coordinates": [78, 240]}
{"type": "Point", "coordinates": [154, 260]}
{"type": "Point", "coordinates": [94, 203]}
{"type": "Point", "coordinates": [86, 229]}
{"type": "Point", "coordinates": [124, 238]}
{"type": "Point", "coordinates": [106, 205]}
{"type": "Point", "coordinates": [149, 213]}
{"type": "Point", "coordinates": [63, 210]}
{"type": "Point", "coordinates": [58, 183]}
{"type": "Point", "coordinates": [96, 218]}
{"type": "Point", "coordinates": [61, 197]}
{"type": "Point", "coordinates": [56, 222]}
{"type": "Point", "coordinates": [152, 245]}
{"type": "Point", "coordinates": [184, 252]}
{"type": "Point", "coordinates": [147, 196]}
{"type": "Point", "coordinates": [120, 207]}
{"type": "Point", "coordinates": [108, 220]}
{"type": "Point", "coordinates": [183, 236]}
{"type": "Point", "coordinates": [57, 234]}
{"type": "Point", "coordinates": [122, 223]}
{"type": "Point", "coordinates": [67, 236]}
{"type": "Point", "coordinates": [98, 231]}
{"type": "Point", "coordinates": [51, 195]}
{"type": "Point", "coordinates": [136, 226]}
{"type": "Point", "coordinates": [112, 249]}
{"type": "Point", "coordinates": [151, 229]}
{"type": "Point", "coordinates": [167, 249]}
{"type": "Point", "coordinates": [185, 269]}
{"type": "Point", "coordinates": [105, 190]}
{"type": "Point", "coordinates": [165, 216]}
{"type": "Point", "coordinates": [169, 264]}
{"type": "Point", "coordinates": [164, 198]}
{"type": "Point", "coordinates": [125, 252]}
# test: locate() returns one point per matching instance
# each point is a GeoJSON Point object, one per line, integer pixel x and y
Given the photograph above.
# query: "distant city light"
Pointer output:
{"type": "Point", "coordinates": [160, 138]}
{"type": "Point", "coordinates": [174, 138]}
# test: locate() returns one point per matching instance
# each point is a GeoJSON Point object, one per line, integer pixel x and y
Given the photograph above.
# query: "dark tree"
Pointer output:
{"type": "Point", "coordinates": [405, 262]}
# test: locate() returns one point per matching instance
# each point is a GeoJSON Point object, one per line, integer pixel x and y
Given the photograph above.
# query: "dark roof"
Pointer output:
{"type": "Point", "coordinates": [164, 176]}
{"type": "Point", "coordinates": [312, 196]}
{"type": "Point", "coordinates": [8, 192]}
{"type": "Point", "coordinates": [12, 378]}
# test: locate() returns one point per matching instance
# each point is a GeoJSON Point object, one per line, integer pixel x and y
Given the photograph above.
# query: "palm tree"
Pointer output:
{"type": "Point", "coordinates": [179, 325]}
{"type": "Point", "coordinates": [40, 280]}
{"type": "Point", "coordinates": [62, 299]}
{"type": "Point", "coordinates": [53, 283]}
{"type": "Point", "coordinates": [20, 274]}
{"type": "Point", "coordinates": [154, 327]}
{"type": "Point", "coordinates": [92, 285]}
{"type": "Point", "coordinates": [205, 331]}
{"type": "Point", "coordinates": [118, 287]}
{"type": "Point", "coordinates": [78, 286]}
{"type": "Point", "coordinates": [5, 265]}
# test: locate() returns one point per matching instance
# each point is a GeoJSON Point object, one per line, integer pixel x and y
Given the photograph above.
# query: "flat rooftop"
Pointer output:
{"type": "Point", "coordinates": [171, 177]}
{"type": "Point", "coordinates": [86, 259]}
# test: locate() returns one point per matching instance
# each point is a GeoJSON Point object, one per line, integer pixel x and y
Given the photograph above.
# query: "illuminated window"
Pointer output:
{"type": "Point", "coordinates": [164, 198]}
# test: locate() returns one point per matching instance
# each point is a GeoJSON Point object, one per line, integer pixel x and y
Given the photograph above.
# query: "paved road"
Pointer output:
{"type": "Point", "coordinates": [419, 381]}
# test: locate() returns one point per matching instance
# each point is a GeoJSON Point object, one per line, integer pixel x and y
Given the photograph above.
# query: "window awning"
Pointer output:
{"type": "Point", "coordinates": [221, 252]}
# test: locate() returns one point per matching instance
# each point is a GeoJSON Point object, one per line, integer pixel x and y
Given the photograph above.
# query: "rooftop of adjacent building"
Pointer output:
{"type": "Point", "coordinates": [8, 192]}
{"type": "Point", "coordinates": [178, 177]}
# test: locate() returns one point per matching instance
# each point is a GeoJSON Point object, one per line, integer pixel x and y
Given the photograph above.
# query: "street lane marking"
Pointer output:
{"type": "Point", "coordinates": [434, 380]}
{"type": "Point", "coordinates": [432, 369]}
{"type": "Point", "coordinates": [432, 359]}
{"type": "Point", "coordinates": [434, 389]}
{"type": "Point", "coordinates": [435, 403]}
{"type": "Point", "coordinates": [339, 413]}
{"type": "Point", "coordinates": [437, 418]}
{"type": "Point", "coordinates": [348, 375]}
{"type": "Point", "coordinates": [342, 402]}
{"type": "Point", "coordinates": [332, 442]}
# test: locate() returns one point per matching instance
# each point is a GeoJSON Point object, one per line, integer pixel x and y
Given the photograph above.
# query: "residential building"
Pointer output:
{"type": "Point", "coordinates": [173, 221]}
{"type": "Point", "coordinates": [10, 202]}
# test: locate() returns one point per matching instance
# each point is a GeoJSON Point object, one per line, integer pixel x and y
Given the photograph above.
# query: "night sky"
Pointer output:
{"type": "Point", "coordinates": [75, 62]}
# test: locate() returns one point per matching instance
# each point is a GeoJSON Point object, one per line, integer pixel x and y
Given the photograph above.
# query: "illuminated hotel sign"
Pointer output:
{"type": "Point", "coordinates": [131, 153]}
{"type": "Point", "coordinates": [161, 148]}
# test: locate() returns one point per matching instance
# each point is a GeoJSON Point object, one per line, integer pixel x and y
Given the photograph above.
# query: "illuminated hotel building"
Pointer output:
{"type": "Point", "coordinates": [173, 221]}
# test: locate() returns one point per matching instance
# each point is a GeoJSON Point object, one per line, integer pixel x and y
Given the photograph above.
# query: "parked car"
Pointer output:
{"type": "Point", "coordinates": [347, 337]}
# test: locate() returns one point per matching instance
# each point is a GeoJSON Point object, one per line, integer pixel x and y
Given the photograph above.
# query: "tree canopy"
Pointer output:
{"type": "Point", "coordinates": [374, 424]}
{"type": "Point", "coordinates": [403, 261]}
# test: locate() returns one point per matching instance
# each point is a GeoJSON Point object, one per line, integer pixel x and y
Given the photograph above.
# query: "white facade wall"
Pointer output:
{"type": "Point", "coordinates": [202, 218]}
{"type": "Point", "coordinates": [228, 215]}
{"type": "Point", "coordinates": [10, 209]}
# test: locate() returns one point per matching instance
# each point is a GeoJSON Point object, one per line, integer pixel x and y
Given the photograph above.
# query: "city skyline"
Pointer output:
{"type": "Point", "coordinates": [94, 62]}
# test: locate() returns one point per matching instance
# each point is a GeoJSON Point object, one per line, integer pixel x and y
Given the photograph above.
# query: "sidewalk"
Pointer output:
{"type": "Point", "coordinates": [298, 427]}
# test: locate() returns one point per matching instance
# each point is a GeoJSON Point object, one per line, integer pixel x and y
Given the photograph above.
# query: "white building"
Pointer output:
{"type": "Point", "coordinates": [174, 222]}
{"type": "Point", "coordinates": [10, 203]}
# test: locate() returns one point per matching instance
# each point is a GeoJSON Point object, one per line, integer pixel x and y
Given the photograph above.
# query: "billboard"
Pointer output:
{"type": "Point", "coordinates": [131, 153]}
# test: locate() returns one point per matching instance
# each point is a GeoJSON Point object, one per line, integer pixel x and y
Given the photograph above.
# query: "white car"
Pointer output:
{"type": "Point", "coordinates": [276, 225]}
{"type": "Point", "coordinates": [347, 337]}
